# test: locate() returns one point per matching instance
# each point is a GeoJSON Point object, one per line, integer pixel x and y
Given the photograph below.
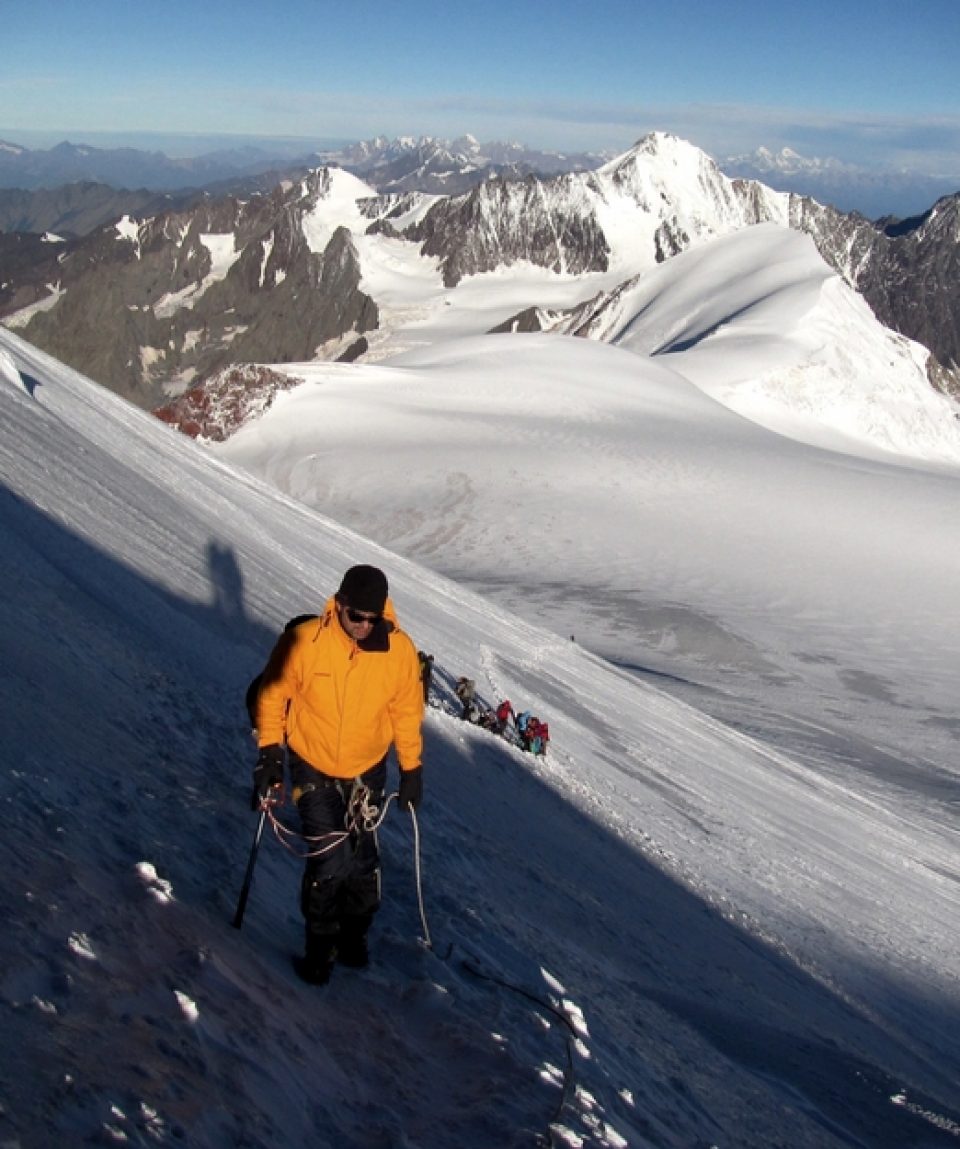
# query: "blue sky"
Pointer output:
{"type": "Point", "coordinates": [866, 82]}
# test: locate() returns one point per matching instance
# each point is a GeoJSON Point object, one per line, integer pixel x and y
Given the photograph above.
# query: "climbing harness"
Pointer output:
{"type": "Point", "coordinates": [363, 815]}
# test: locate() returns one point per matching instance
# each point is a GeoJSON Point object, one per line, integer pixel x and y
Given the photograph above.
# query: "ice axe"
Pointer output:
{"type": "Point", "coordinates": [248, 876]}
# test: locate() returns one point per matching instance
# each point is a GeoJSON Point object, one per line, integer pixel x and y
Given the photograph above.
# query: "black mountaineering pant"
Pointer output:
{"type": "Point", "coordinates": [341, 883]}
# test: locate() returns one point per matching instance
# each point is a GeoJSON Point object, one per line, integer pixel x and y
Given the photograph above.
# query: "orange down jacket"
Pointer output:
{"type": "Point", "coordinates": [338, 706]}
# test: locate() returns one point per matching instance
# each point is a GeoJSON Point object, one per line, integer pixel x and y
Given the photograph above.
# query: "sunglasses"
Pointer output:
{"type": "Point", "coordinates": [359, 616]}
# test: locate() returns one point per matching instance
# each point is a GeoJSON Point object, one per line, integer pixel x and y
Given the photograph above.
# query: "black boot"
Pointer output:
{"type": "Point", "coordinates": [316, 964]}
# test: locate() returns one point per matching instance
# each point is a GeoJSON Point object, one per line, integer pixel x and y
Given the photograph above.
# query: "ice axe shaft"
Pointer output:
{"type": "Point", "coordinates": [248, 876]}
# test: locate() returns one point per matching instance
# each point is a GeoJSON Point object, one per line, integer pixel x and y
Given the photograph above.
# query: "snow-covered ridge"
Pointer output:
{"type": "Point", "coordinates": [760, 323]}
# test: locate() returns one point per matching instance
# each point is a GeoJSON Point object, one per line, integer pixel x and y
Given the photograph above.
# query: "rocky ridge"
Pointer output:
{"type": "Point", "coordinates": [154, 307]}
{"type": "Point", "coordinates": [150, 308]}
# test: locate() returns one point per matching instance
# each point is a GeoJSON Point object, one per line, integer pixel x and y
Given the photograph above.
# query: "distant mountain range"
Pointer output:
{"type": "Point", "coordinates": [155, 302]}
{"type": "Point", "coordinates": [72, 189]}
{"type": "Point", "coordinates": [429, 164]}
{"type": "Point", "coordinates": [876, 194]}
{"type": "Point", "coordinates": [31, 169]}
{"type": "Point", "coordinates": [76, 209]}
{"type": "Point", "coordinates": [445, 167]}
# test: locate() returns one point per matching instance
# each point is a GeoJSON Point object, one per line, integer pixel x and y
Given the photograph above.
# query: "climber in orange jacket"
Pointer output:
{"type": "Point", "coordinates": [337, 692]}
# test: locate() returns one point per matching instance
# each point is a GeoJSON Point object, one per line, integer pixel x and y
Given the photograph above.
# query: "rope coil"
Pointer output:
{"type": "Point", "coordinates": [362, 815]}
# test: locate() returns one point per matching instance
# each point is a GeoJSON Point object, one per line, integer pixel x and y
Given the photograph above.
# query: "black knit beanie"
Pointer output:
{"type": "Point", "coordinates": [364, 588]}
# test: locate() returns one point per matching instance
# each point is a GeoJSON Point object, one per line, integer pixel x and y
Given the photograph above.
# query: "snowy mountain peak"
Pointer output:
{"type": "Point", "coordinates": [785, 161]}
{"type": "Point", "coordinates": [466, 143]}
{"type": "Point", "coordinates": [661, 162]}
{"type": "Point", "coordinates": [662, 146]}
{"type": "Point", "coordinates": [335, 184]}
{"type": "Point", "coordinates": [679, 194]}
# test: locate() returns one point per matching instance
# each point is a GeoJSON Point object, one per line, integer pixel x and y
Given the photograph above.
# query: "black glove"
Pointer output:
{"type": "Point", "coordinates": [267, 773]}
{"type": "Point", "coordinates": [411, 788]}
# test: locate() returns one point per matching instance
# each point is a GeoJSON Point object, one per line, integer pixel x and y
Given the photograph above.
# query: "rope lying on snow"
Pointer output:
{"type": "Point", "coordinates": [569, 1083]}
{"type": "Point", "coordinates": [416, 867]}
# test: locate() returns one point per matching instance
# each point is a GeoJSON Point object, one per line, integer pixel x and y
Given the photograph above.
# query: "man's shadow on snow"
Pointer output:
{"type": "Point", "coordinates": [226, 581]}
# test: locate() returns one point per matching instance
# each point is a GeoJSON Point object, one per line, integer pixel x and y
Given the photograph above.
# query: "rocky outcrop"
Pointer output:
{"type": "Point", "coordinates": [915, 286]}
{"type": "Point", "coordinates": [223, 403]}
{"type": "Point", "coordinates": [76, 209]}
{"type": "Point", "coordinates": [908, 272]}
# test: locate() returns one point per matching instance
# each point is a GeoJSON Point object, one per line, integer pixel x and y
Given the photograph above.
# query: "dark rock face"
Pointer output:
{"type": "Point", "coordinates": [915, 287]}
{"type": "Point", "coordinates": [909, 273]}
{"type": "Point", "coordinates": [28, 265]}
{"type": "Point", "coordinates": [502, 222]}
{"type": "Point", "coordinates": [153, 308]}
{"type": "Point", "coordinates": [76, 209]}
{"type": "Point", "coordinates": [523, 323]}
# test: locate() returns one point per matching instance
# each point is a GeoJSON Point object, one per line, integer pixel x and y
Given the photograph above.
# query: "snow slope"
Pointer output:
{"type": "Point", "coordinates": [757, 320]}
{"type": "Point", "coordinates": [664, 934]}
